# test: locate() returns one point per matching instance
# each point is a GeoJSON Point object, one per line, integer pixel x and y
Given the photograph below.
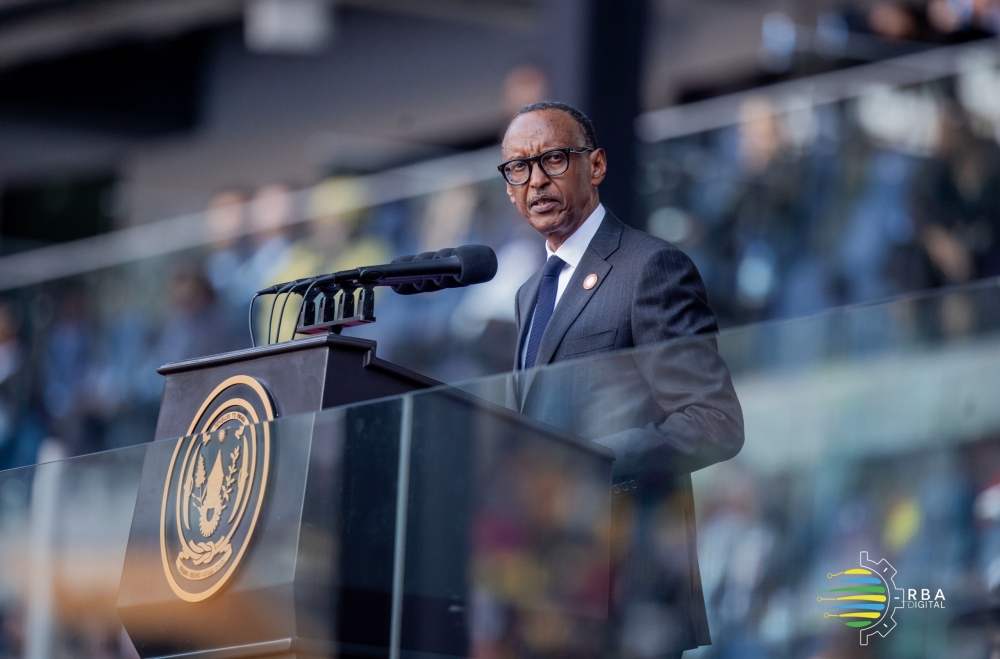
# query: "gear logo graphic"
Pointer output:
{"type": "Point", "coordinates": [864, 597]}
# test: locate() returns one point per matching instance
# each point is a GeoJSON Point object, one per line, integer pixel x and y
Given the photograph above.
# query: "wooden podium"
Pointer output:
{"type": "Point", "coordinates": [267, 531]}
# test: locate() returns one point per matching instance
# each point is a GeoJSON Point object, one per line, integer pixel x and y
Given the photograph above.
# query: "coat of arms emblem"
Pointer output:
{"type": "Point", "coordinates": [215, 487]}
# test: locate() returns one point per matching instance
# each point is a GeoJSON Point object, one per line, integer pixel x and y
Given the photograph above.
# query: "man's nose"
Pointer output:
{"type": "Point", "coordinates": [539, 178]}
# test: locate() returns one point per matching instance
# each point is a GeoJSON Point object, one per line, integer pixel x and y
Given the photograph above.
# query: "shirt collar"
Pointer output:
{"type": "Point", "coordinates": [572, 249]}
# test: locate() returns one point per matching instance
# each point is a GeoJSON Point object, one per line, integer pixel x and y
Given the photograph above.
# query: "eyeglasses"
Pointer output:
{"type": "Point", "coordinates": [553, 162]}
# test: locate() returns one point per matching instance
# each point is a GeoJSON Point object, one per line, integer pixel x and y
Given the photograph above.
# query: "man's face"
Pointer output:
{"type": "Point", "coordinates": [554, 205]}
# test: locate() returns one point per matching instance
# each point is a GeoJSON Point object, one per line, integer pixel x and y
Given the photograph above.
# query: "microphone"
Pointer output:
{"type": "Point", "coordinates": [421, 273]}
{"type": "Point", "coordinates": [477, 265]}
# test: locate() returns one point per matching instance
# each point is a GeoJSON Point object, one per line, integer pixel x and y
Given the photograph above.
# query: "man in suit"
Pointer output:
{"type": "Point", "coordinates": [666, 409]}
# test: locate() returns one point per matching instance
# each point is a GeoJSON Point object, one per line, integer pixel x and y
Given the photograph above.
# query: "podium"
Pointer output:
{"type": "Point", "coordinates": [307, 375]}
{"type": "Point", "coordinates": [321, 502]}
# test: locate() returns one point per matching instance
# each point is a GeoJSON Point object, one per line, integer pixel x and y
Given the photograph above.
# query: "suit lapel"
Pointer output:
{"type": "Point", "coordinates": [572, 302]}
{"type": "Point", "coordinates": [575, 298]}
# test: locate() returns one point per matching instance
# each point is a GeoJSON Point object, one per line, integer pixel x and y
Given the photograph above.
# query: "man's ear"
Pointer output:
{"type": "Point", "coordinates": [510, 193]}
{"type": "Point", "coordinates": [598, 166]}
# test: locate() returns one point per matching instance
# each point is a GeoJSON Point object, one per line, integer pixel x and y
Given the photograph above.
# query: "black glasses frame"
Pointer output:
{"type": "Point", "coordinates": [538, 159]}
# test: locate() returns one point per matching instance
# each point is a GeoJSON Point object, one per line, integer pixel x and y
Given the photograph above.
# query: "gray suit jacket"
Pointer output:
{"type": "Point", "coordinates": [666, 410]}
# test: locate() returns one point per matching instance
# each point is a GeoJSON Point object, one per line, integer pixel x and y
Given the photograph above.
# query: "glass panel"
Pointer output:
{"type": "Point", "coordinates": [64, 527]}
{"type": "Point", "coordinates": [506, 534]}
{"type": "Point", "coordinates": [445, 523]}
{"type": "Point", "coordinates": [492, 502]}
{"type": "Point", "coordinates": [868, 429]}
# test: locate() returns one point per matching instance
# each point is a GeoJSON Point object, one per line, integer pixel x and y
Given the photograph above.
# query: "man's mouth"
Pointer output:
{"type": "Point", "coordinates": [543, 203]}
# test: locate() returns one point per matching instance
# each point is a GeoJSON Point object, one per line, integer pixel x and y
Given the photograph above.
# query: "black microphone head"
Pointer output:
{"type": "Point", "coordinates": [479, 264]}
{"type": "Point", "coordinates": [425, 286]}
{"type": "Point", "coordinates": [446, 281]}
{"type": "Point", "coordinates": [404, 289]}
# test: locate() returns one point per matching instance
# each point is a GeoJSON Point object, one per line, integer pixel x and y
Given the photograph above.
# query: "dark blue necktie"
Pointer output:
{"type": "Point", "coordinates": [544, 305]}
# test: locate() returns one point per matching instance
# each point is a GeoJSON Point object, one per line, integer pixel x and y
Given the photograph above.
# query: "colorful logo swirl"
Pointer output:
{"type": "Point", "coordinates": [858, 599]}
{"type": "Point", "coordinates": [863, 597]}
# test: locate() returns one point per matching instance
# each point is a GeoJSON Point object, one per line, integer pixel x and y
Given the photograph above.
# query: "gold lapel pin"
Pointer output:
{"type": "Point", "coordinates": [590, 281]}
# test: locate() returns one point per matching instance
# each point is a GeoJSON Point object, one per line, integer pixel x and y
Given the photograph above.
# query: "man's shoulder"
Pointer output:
{"type": "Point", "coordinates": [639, 245]}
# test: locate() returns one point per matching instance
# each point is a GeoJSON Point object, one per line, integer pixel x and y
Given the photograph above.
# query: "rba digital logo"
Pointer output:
{"type": "Point", "coordinates": [866, 598]}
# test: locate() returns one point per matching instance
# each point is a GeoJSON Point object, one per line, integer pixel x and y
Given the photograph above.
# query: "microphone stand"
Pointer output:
{"type": "Point", "coordinates": [253, 340]}
{"type": "Point", "coordinates": [461, 266]}
{"type": "Point", "coordinates": [332, 315]}
{"type": "Point", "coordinates": [287, 289]}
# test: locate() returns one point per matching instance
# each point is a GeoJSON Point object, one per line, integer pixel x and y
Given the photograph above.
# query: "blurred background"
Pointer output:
{"type": "Point", "coordinates": [161, 160]}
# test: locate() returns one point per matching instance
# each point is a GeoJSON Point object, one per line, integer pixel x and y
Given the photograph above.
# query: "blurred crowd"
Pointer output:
{"type": "Point", "coordinates": [766, 546]}
{"type": "Point", "coordinates": [935, 21]}
{"type": "Point", "coordinates": [78, 357]}
{"type": "Point", "coordinates": [798, 208]}
{"type": "Point", "coordinates": [793, 209]}
{"type": "Point", "coordinates": [849, 34]}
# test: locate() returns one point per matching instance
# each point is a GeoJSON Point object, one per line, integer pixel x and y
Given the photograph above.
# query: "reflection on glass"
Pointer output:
{"type": "Point", "coordinates": [666, 411]}
{"type": "Point", "coordinates": [873, 429]}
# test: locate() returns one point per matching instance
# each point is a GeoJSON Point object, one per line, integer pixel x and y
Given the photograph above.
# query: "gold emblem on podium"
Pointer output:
{"type": "Point", "coordinates": [215, 487]}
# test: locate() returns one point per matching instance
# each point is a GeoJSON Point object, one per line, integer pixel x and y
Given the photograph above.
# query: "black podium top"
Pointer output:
{"type": "Point", "coordinates": [305, 375]}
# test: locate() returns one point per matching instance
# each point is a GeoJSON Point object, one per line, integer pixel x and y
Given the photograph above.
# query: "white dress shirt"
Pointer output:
{"type": "Point", "coordinates": [571, 251]}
